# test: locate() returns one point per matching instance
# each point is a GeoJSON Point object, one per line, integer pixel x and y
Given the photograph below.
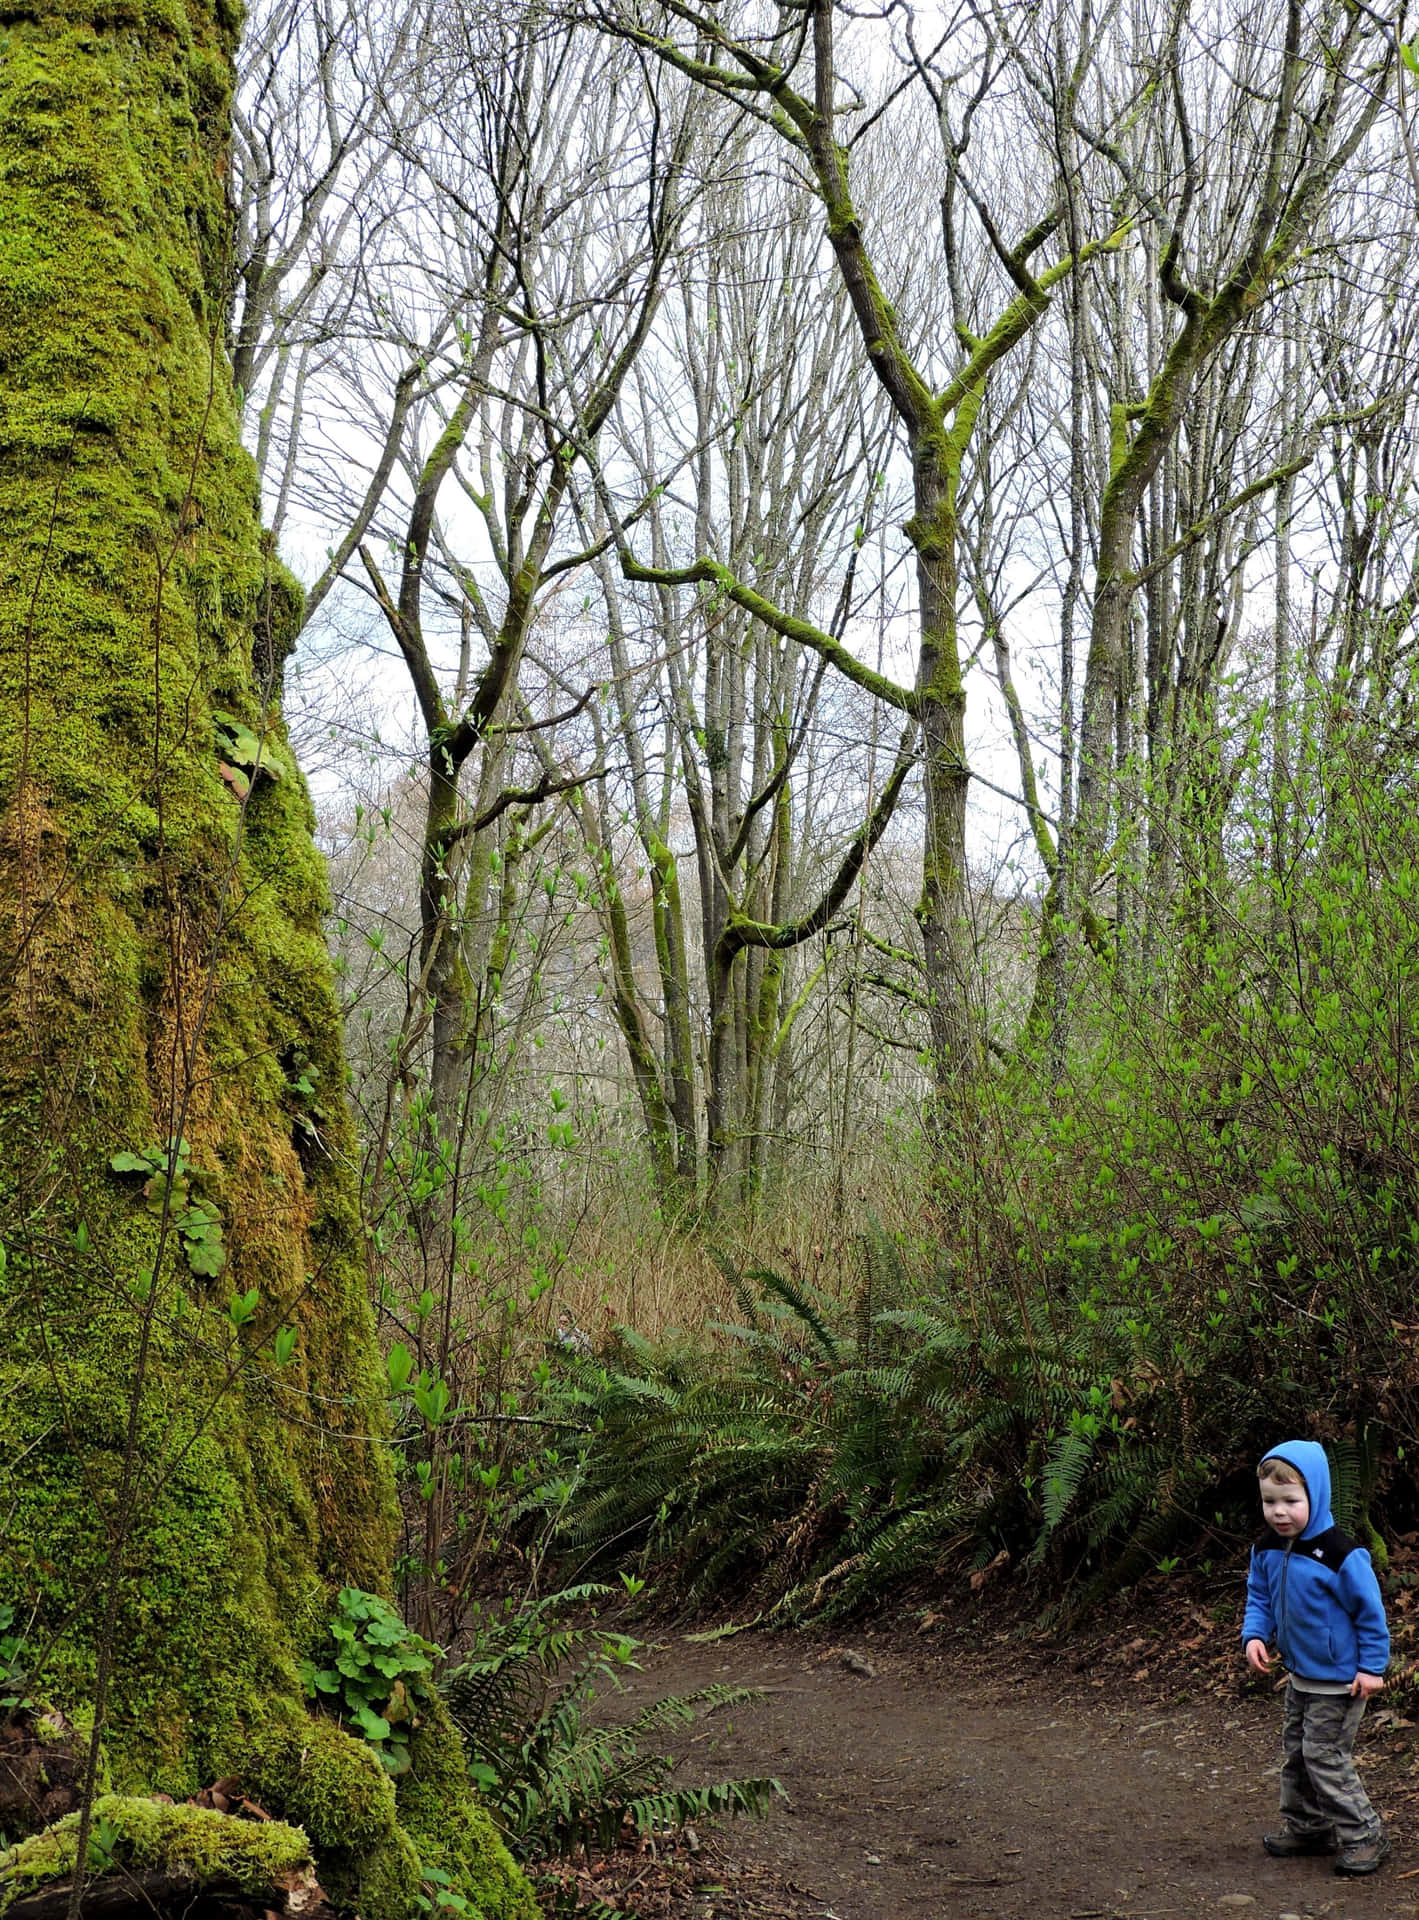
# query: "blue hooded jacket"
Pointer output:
{"type": "Point", "coordinates": [1316, 1596]}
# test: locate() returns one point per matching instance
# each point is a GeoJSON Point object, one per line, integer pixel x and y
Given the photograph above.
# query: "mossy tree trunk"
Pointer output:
{"type": "Point", "coordinates": [177, 1509]}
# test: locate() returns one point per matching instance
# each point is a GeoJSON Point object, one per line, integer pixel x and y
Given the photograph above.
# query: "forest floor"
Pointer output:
{"type": "Point", "coordinates": [945, 1768]}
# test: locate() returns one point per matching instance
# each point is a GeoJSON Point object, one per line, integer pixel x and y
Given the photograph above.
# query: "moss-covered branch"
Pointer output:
{"type": "Point", "coordinates": [740, 931]}
{"type": "Point", "coordinates": [707, 572]}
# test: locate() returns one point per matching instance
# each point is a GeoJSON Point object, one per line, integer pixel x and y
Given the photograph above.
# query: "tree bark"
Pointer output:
{"type": "Point", "coordinates": [944, 910]}
{"type": "Point", "coordinates": [179, 1508]}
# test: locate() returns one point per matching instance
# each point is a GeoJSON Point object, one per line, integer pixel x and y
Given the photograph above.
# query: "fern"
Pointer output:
{"type": "Point", "coordinates": [1069, 1461]}
{"type": "Point", "coordinates": [807, 1306]}
{"type": "Point", "coordinates": [557, 1778]}
{"type": "Point", "coordinates": [825, 1453]}
{"type": "Point", "coordinates": [884, 1282]}
{"type": "Point", "coordinates": [678, 1807]}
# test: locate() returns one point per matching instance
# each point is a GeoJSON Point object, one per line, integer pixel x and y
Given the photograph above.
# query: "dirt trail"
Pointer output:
{"type": "Point", "coordinates": [943, 1791]}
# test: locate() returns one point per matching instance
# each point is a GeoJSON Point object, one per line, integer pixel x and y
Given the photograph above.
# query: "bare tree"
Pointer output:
{"type": "Point", "coordinates": [787, 76]}
{"type": "Point", "coordinates": [327, 94]}
{"type": "Point", "coordinates": [1297, 114]}
{"type": "Point", "coordinates": [778, 470]}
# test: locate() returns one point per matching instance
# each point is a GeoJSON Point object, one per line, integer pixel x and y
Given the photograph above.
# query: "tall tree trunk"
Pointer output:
{"type": "Point", "coordinates": [675, 989]}
{"type": "Point", "coordinates": [944, 909]}
{"type": "Point", "coordinates": [180, 1510]}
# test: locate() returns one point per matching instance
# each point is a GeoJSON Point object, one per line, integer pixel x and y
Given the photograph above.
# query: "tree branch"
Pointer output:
{"type": "Point", "coordinates": [741, 932]}
{"type": "Point", "coordinates": [710, 573]}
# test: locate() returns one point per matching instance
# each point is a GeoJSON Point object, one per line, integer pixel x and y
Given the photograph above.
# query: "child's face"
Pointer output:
{"type": "Point", "coordinates": [1286, 1507]}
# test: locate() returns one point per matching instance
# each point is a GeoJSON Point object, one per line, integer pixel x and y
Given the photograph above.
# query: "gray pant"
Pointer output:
{"type": "Point", "coordinates": [1320, 1789]}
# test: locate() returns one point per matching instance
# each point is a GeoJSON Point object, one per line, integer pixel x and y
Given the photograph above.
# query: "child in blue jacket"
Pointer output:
{"type": "Point", "coordinates": [1313, 1593]}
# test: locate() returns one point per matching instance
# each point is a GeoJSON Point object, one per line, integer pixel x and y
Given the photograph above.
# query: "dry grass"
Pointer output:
{"type": "Point", "coordinates": [626, 1265]}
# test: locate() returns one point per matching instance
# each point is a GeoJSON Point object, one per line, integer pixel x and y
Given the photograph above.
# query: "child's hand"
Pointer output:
{"type": "Point", "coordinates": [1259, 1660]}
{"type": "Point", "coordinates": [1366, 1686]}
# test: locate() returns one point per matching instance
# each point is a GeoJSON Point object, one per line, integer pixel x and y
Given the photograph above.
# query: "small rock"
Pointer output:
{"type": "Point", "coordinates": [1237, 1900]}
{"type": "Point", "coordinates": [1288, 1916]}
{"type": "Point", "coordinates": [691, 1839]}
{"type": "Point", "coordinates": [855, 1663]}
{"type": "Point", "coordinates": [873, 1859]}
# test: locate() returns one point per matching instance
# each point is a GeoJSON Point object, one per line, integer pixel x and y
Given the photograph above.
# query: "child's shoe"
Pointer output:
{"type": "Point", "coordinates": [1290, 1846]}
{"type": "Point", "coordinates": [1367, 1856]}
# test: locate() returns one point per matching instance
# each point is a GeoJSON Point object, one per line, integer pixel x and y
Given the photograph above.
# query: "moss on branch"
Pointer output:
{"type": "Point", "coordinates": [707, 572]}
{"type": "Point", "coordinates": [195, 1845]}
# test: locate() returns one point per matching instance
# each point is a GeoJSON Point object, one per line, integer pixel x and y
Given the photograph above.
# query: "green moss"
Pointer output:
{"type": "Point", "coordinates": [161, 958]}
{"type": "Point", "coordinates": [451, 1829]}
{"type": "Point", "coordinates": [192, 1843]}
{"type": "Point", "coordinates": [333, 1784]}
{"type": "Point", "coordinates": [324, 1778]}
{"type": "Point", "coordinates": [375, 1839]}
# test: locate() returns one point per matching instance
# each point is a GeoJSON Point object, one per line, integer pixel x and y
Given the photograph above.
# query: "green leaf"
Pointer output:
{"type": "Point", "coordinates": [400, 1365]}
{"type": "Point", "coordinates": [207, 1258]}
{"type": "Point", "coordinates": [432, 1401]}
{"type": "Point", "coordinates": [163, 1195]}
{"type": "Point", "coordinates": [371, 1724]}
{"type": "Point", "coordinates": [236, 742]}
{"type": "Point", "coordinates": [285, 1345]}
{"type": "Point", "coordinates": [133, 1163]}
{"type": "Point", "coordinates": [236, 739]}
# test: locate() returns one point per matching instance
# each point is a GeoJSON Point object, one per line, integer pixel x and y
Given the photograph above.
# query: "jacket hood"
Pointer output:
{"type": "Point", "coordinates": [1308, 1458]}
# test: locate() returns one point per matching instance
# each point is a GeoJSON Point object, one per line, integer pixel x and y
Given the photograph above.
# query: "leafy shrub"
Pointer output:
{"type": "Point", "coordinates": [375, 1676]}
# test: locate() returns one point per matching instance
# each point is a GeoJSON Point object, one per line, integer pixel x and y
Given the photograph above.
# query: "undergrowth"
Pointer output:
{"type": "Point", "coordinates": [818, 1454]}
{"type": "Point", "coordinates": [823, 1453]}
{"type": "Point", "coordinates": [1147, 1255]}
{"type": "Point", "coordinates": [531, 1698]}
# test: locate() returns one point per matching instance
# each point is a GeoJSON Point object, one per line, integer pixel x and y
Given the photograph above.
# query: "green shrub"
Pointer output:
{"type": "Point", "coordinates": [375, 1675]}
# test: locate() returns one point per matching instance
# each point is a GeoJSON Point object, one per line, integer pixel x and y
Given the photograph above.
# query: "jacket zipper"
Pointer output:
{"type": "Point", "coordinates": [1281, 1611]}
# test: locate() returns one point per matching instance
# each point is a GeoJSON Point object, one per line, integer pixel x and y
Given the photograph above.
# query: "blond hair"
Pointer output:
{"type": "Point", "coordinates": [1280, 1472]}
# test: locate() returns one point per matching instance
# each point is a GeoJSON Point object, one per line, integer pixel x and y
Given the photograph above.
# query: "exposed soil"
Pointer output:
{"type": "Point", "coordinates": [41, 1771]}
{"type": "Point", "coordinates": [1113, 1778]}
